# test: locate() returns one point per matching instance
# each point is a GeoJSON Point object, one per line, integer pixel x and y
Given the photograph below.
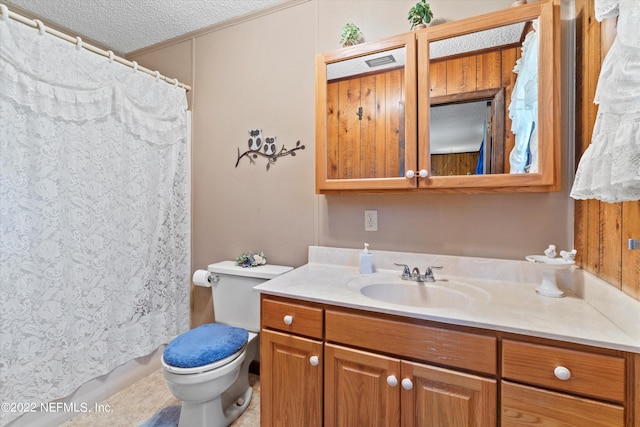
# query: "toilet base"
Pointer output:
{"type": "Point", "coordinates": [212, 413]}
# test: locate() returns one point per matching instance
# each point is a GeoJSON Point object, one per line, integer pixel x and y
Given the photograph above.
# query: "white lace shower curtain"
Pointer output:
{"type": "Point", "coordinates": [94, 215]}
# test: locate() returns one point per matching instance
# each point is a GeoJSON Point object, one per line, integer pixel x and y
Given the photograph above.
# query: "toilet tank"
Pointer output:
{"type": "Point", "coordinates": [235, 303]}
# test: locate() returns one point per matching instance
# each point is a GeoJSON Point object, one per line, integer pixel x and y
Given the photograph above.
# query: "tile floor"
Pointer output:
{"type": "Point", "coordinates": [138, 402]}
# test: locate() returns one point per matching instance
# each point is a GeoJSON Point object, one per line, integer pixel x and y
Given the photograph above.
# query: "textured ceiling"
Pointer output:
{"type": "Point", "coordinates": [457, 128]}
{"type": "Point", "coordinates": [128, 25]}
{"type": "Point", "coordinates": [487, 39]}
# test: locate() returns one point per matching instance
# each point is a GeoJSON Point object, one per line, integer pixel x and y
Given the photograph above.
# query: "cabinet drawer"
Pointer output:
{"type": "Point", "coordinates": [293, 318]}
{"type": "Point", "coordinates": [588, 374]}
{"type": "Point", "coordinates": [451, 348]}
{"type": "Point", "coordinates": [522, 405]}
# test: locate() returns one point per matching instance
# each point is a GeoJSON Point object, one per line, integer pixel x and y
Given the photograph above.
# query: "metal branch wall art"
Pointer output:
{"type": "Point", "coordinates": [265, 147]}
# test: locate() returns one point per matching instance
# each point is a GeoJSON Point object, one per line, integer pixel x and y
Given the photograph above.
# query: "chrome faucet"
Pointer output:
{"type": "Point", "coordinates": [408, 274]}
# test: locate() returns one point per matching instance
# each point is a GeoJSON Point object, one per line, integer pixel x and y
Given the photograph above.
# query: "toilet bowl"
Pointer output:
{"type": "Point", "coordinates": [215, 394]}
{"type": "Point", "coordinates": [207, 368]}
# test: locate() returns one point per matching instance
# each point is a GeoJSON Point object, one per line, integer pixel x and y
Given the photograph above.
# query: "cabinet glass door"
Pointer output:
{"type": "Point", "coordinates": [365, 97]}
{"type": "Point", "coordinates": [488, 101]}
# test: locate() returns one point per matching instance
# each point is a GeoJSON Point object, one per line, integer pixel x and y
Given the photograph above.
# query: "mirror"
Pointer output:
{"type": "Point", "coordinates": [364, 134]}
{"type": "Point", "coordinates": [461, 137]}
{"type": "Point", "coordinates": [484, 79]}
{"type": "Point", "coordinates": [365, 116]}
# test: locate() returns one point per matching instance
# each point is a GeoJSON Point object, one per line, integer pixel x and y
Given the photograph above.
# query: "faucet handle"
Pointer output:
{"type": "Point", "coordinates": [428, 274]}
{"type": "Point", "coordinates": [406, 272]}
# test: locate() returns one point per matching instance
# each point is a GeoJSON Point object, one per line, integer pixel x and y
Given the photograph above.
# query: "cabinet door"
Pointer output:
{"type": "Point", "coordinates": [365, 116]}
{"type": "Point", "coordinates": [290, 380]}
{"type": "Point", "coordinates": [360, 388]}
{"type": "Point", "coordinates": [527, 406]}
{"type": "Point", "coordinates": [440, 397]}
{"type": "Point", "coordinates": [470, 114]}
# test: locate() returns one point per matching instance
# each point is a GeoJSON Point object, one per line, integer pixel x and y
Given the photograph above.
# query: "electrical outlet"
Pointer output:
{"type": "Point", "coordinates": [370, 220]}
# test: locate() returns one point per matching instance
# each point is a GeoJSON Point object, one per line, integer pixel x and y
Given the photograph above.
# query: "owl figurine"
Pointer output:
{"type": "Point", "coordinates": [255, 139]}
{"type": "Point", "coordinates": [270, 146]}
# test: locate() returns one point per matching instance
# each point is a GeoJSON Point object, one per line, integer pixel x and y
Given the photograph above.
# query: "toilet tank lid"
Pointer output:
{"type": "Point", "coordinates": [267, 271]}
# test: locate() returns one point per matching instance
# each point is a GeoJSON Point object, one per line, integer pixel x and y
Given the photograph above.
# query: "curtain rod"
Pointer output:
{"type": "Point", "coordinates": [36, 23]}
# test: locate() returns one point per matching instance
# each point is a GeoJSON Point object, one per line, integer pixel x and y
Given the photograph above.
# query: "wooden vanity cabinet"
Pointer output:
{"type": "Point", "coordinates": [333, 366]}
{"type": "Point", "coordinates": [291, 364]}
{"type": "Point", "coordinates": [363, 388]}
{"type": "Point", "coordinates": [370, 370]}
{"type": "Point", "coordinates": [402, 388]}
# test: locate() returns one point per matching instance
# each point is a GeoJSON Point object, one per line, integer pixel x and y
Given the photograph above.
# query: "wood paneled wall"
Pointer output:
{"type": "Point", "coordinates": [365, 132]}
{"type": "Point", "coordinates": [602, 230]}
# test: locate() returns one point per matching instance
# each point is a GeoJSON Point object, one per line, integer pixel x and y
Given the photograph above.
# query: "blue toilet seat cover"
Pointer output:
{"type": "Point", "coordinates": [204, 345]}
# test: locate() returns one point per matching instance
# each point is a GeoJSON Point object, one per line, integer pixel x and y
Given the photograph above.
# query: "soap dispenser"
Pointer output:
{"type": "Point", "coordinates": [366, 260]}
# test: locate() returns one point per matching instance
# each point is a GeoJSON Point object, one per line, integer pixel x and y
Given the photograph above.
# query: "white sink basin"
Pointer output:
{"type": "Point", "coordinates": [415, 294]}
{"type": "Point", "coordinates": [389, 288]}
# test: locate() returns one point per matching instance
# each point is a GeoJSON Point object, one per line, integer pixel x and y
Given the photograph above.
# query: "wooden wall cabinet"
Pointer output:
{"type": "Point", "coordinates": [375, 129]}
{"type": "Point", "coordinates": [329, 366]}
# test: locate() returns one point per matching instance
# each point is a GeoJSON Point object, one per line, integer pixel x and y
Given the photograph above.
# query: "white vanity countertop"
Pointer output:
{"type": "Point", "coordinates": [502, 305]}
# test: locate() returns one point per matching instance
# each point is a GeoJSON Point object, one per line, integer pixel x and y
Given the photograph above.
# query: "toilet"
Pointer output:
{"type": "Point", "coordinates": [207, 368]}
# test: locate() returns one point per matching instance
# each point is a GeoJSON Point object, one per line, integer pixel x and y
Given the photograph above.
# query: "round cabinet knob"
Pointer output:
{"type": "Point", "coordinates": [410, 174]}
{"type": "Point", "coordinates": [288, 319]}
{"type": "Point", "coordinates": [562, 373]}
{"type": "Point", "coordinates": [407, 384]}
{"type": "Point", "coordinates": [314, 360]}
{"type": "Point", "coordinates": [392, 380]}
{"type": "Point", "coordinates": [423, 173]}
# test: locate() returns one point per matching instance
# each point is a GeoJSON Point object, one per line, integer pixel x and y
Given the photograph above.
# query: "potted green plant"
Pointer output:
{"type": "Point", "coordinates": [420, 15]}
{"type": "Point", "coordinates": [350, 35]}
